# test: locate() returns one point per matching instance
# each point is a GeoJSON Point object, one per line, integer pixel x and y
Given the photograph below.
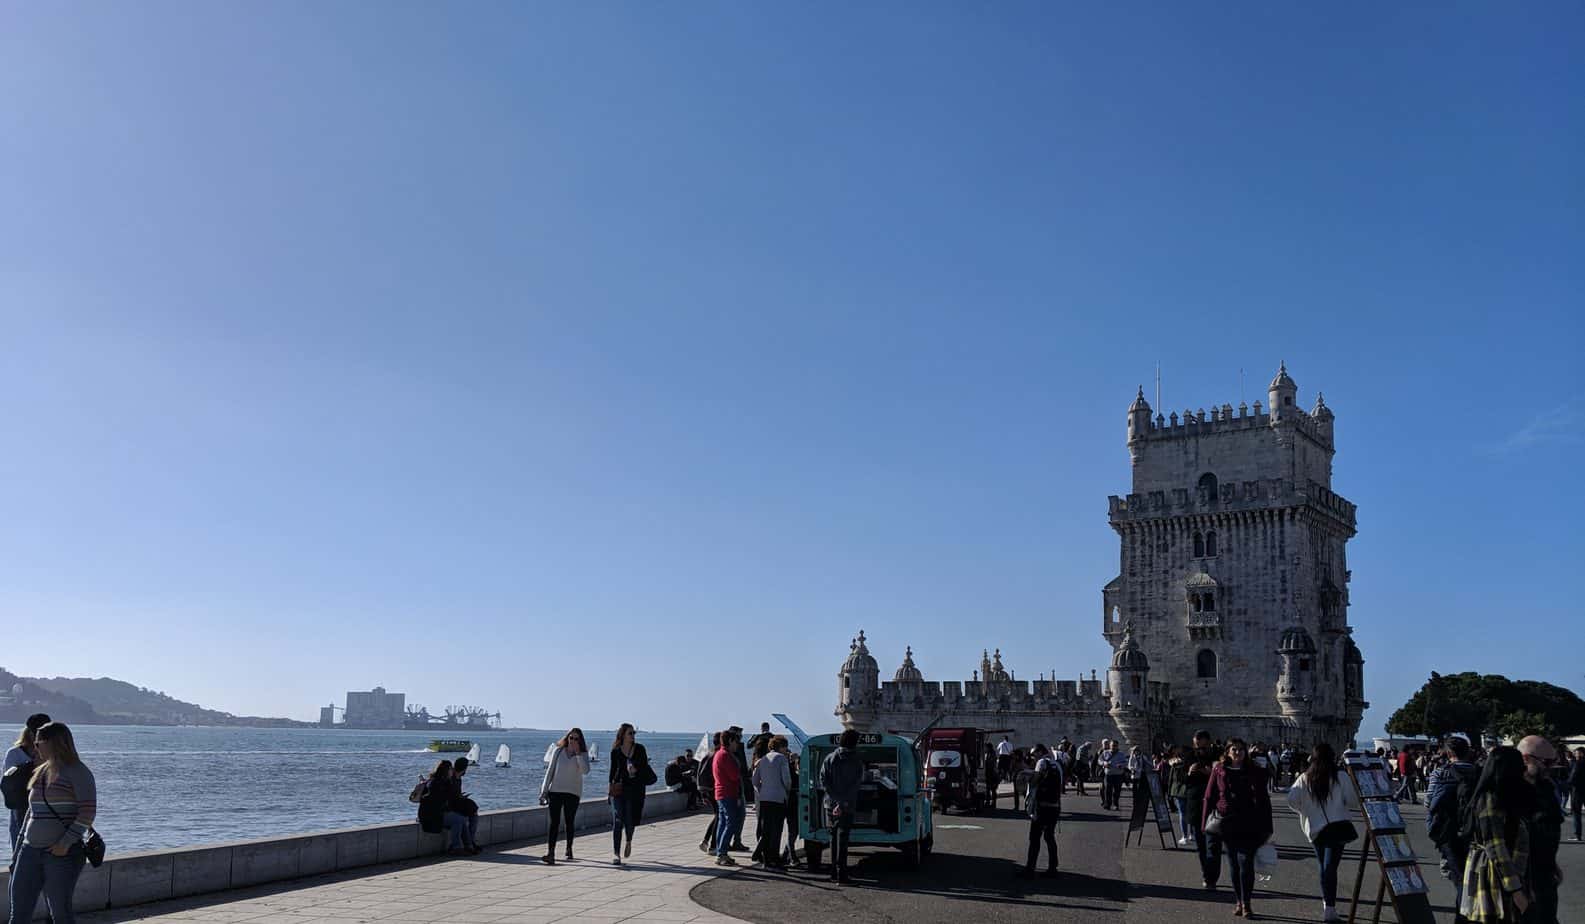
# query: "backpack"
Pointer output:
{"type": "Point", "coordinates": [1446, 819]}
{"type": "Point", "coordinates": [1048, 785]}
{"type": "Point", "coordinates": [15, 786]}
{"type": "Point", "coordinates": [419, 791]}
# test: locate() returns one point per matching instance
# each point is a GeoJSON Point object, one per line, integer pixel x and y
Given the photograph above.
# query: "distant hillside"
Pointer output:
{"type": "Point", "coordinates": [105, 701]}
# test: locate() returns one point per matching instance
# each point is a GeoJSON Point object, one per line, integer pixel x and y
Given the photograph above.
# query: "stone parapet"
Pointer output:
{"type": "Point", "coordinates": [155, 875]}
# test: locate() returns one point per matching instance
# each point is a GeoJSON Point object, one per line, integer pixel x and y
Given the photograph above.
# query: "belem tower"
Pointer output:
{"type": "Point", "coordinates": [1230, 611]}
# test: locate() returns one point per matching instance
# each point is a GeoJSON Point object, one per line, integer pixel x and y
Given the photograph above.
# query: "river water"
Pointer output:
{"type": "Point", "coordinates": [177, 787]}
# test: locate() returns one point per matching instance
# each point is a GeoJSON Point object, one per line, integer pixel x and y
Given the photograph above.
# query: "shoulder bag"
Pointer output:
{"type": "Point", "coordinates": [1335, 833]}
{"type": "Point", "coordinates": [93, 847]}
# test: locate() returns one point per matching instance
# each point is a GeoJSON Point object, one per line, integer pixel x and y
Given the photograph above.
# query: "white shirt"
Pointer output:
{"type": "Point", "coordinates": [1004, 749]}
{"type": "Point", "coordinates": [564, 774]}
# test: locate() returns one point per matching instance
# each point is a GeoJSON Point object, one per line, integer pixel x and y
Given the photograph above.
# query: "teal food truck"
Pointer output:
{"type": "Point", "coordinates": [893, 807]}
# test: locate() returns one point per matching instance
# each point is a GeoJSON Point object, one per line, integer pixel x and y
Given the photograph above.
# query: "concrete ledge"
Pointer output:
{"type": "Point", "coordinates": [156, 875]}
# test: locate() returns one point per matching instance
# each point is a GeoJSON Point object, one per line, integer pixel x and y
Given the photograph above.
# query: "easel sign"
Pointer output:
{"type": "Point", "coordinates": [1146, 789]}
{"type": "Point", "coordinates": [1158, 802]}
{"type": "Point", "coordinates": [1387, 835]}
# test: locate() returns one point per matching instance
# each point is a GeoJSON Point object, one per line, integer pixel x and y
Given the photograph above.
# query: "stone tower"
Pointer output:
{"type": "Point", "coordinates": [1127, 682]}
{"type": "Point", "coordinates": [858, 686]}
{"type": "Point", "coordinates": [1233, 576]}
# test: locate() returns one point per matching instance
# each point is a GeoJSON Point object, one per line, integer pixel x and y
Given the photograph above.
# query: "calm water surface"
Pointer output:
{"type": "Point", "coordinates": [176, 787]}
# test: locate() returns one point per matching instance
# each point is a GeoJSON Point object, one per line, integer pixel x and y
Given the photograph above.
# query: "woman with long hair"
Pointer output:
{"type": "Point", "coordinates": [17, 769]}
{"type": "Point", "coordinates": [566, 764]}
{"type": "Point", "coordinates": [630, 773]}
{"type": "Point", "coordinates": [1238, 811]}
{"type": "Point", "coordinates": [1325, 800]}
{"type": "Point", "coordinates": [1497, 826]}
{"type": "Point", "coordinates": [62, 802]}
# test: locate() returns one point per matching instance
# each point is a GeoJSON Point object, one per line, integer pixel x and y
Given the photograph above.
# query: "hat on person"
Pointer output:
{"type": "Point", "coordinates": [1537, 747]}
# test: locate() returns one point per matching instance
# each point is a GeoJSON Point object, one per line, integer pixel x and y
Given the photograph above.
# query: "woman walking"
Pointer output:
{"type": "Point", "coordinates": [1178, 792]}
{"type": "Point", "coordinates": [1238, 811]}
{"type": "Point", "coordinates": [62, 803]}
{"type": "Point", "coordinates": [707, 792]}
{"type": "Point", "coordinates": [1498, 828]}
{"type": "Point", "coordinates": [630, 773]}
{"type": "Point", "coordinates": [772, 783]}
{"type": "Point", "coordinates": [566, 764]}
{"type": "Point", "coordinates": [1325, 800]}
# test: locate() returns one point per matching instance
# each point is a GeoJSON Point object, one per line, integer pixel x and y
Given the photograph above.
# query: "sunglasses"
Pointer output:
{"type": "Point", "coordinates": [1543, 761]}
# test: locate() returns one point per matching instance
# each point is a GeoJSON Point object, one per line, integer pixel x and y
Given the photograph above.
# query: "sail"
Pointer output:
{"type": "Point", "coordinates": [503, 756]}
{"type": "Point", "coordinates": [473, 754]}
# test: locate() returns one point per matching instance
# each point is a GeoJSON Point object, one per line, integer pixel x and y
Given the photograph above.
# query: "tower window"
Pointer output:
{"type": "Point", "coordinates": [1206, 664]}
{"type": "Point", "coordinates": [1137, 683]}
{"type": "Point", "coordinates": [1199, 544]}
{"type": "Point", "coordinates": [1194, 601]}
{"type": "Point", "coordinates": [1208, 488]}
{"type": "Point", "coordinates": [1210, 603]}
{"type": "Point", "coordinates": [1287, 400]}
{"type": "Point", "coordinates": [1210, 544]}
{"type": "Point", "coordinates": [845, 682]}
{"type": "Point", "coordinates": [1304, 664]}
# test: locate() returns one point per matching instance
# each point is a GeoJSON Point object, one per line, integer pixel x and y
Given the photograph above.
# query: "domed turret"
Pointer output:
{"type": "Point", "coordinates": [908, 672]}
{"type": "Point", "coordinates": [1138, 417]}
{"type": "Point", "coordinates": [1296, 685]}
{"type": "Point", "coordinates": [1296, 641]}
{"type": "Point", "coordinates": [858, 686]}
{"type": "Point", "coordinates": [1128, 689]}
{"type": "Point", "coordinates": [1284, 395]}
{"type": "Point", "coordinates": [1129, 656]}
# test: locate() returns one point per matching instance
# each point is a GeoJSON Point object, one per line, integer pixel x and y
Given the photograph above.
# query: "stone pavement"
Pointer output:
{"type": "Point", "coordinates": [498, 885]}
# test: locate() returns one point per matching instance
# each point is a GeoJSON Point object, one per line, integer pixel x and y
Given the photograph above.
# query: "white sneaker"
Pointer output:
{"type": "Point", "coordinates": [1329, 913]}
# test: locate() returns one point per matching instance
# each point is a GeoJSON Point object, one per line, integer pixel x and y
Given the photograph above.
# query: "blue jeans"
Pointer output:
{"type": "Point", "coordinates": [1241, 867]}
{"type": "Point", "coordinates": [1453, 860]}
{"type": "Point", "coordinates": [1329, 857]}
{"type": "Point", "coordinates": [16, 828]}
{"type": "Point", "coordinates": [461, 829]}
{"type": "Point", "coordinates": [39, 871]}
{"type": "Point", "coordinates": [729, 824]}
{"type": "Point", "coordinates": [1210, 847]}
{"type": "Point", "coordinates": [1186, 824]}
{"type": "Point", "coordinates": [626, 812]}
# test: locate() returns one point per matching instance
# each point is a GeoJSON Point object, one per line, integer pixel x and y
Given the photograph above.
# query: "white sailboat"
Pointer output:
{"type": "Point", "coordinates": [503, 756]}
{"type": "Point", "coordinates": [473, 755]}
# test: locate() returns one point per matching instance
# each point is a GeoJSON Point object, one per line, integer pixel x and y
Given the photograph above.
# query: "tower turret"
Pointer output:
{"type": "Point", "coordinates": [1296, 683]}
{"type": "Point", "coordinates": [908, 673]}
{"type": "Point", "coordinates": [1284, 395]}
{"type": "Point", "coordinates": [1323, 417]}
{"type": "Point", "coordinates": [1126, 678]}
{"type": "Point", "coordinates": [858, 686]}
{"type": "Point", "coordinates": [1138, 422]}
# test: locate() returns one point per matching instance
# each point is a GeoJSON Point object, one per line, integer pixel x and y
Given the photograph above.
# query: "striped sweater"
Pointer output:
{"type": "Point", "coordinates": [72, 797]}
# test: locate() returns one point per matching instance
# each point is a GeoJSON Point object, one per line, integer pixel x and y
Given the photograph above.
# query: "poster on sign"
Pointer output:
{"type": "Point", "coordinates": [1373, 784]}
{"type": "Point", "coordinates": [1384, 816]}
{"type": "Point", "coordinates": [1405, 880]}
{"type": "Point", "coordinates": [1395, 848]}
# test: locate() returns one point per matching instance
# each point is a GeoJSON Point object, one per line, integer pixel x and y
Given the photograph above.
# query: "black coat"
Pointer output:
{"type": "Point", "coordinates": [618, 772]}
{"type": "Point", "coordinates": [432, 807]}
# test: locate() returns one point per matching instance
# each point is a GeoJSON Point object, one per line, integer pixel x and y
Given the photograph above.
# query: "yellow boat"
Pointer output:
{"type": "Point", "coordinates": [447, 745]}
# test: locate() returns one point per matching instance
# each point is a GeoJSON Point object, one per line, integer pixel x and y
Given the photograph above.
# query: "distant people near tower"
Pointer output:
{"type": "Point", "coordinates": [727, 775]}
{"type": "Point", "coordinates": [1004, 757]}
{"type": "Point", "coordinates": [1202, 760]}
{"type": "Point", "coordinates": [1326, 802]}
{"type": "Point", "coordinates": [1546, 830]}
{"type": "Point", "coordinates": [1114, 765]}
{"type": "Point", "coordinates": [772, 776]}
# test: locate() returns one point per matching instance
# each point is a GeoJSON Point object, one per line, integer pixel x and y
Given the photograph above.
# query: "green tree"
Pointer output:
{"type": "Point", "coordinates": [1473, 704]}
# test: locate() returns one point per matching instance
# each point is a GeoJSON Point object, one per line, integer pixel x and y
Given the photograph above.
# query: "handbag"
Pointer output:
{"type": "Point", "coordinates": [1213, 823]}
{"type": "Point", "coordinates": [1337, 833]}
{"type": "Point", "coordinates": [93, 847]}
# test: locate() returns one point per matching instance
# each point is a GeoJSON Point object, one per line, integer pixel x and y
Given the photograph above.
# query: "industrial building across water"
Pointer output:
{"type": "Point", "coordinates": [377, 708]}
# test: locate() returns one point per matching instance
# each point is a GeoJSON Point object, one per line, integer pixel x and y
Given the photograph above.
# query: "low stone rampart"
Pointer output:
{"type": "Point", "coordinates": [156, 875]}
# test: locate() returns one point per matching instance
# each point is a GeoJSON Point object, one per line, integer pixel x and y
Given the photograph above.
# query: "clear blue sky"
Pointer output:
{"type": "Point", "coordinates": [548, 356]}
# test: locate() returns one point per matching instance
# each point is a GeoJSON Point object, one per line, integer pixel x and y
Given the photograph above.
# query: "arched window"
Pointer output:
{"type": "Point", "coordinates": [1304, 664]}
{"type": "Point", "coordinates": [1210, 603]}
{"type": "Point", "coordinates": [1117, 614]}
{"type": "Point", "coordinates": [1210, 544]}
{"type": "Point", "coordinates": [1208, 487]}
{"type": "Point", "coordinates": [845, 684]}
{"type": "Point", "coordinates": [1199, 544]}
{"type": "Point", "coordinates": [1138, 684]}
{"type": "Point", "coordinates": [1206, 662]}
{"type": "Point", "coordinates": [1194, 601]}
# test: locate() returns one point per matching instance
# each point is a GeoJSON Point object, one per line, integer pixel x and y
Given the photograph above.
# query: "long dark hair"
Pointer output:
{"type": "Point", "coordinates": [442, 771]}
{"type": "Point", "coordinates": [1322, 772]}
{"type": "Point", "coordinates": [1503, 778]}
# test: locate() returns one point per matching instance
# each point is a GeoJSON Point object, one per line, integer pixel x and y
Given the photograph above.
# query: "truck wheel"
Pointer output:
{"type": "Point", "coordinates": [911, 855]}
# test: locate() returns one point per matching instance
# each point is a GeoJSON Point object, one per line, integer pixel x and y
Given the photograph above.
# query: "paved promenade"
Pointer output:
{"type": "Point", "coordinates": [970, 877]}
{"type": "Point", "coordinates": [509, 885]}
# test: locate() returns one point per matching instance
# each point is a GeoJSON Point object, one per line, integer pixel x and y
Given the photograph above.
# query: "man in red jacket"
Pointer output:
{"type": "Point", "coordinates": [1406, 773]}
{"type": "Point", "coordinates": [728, 798]}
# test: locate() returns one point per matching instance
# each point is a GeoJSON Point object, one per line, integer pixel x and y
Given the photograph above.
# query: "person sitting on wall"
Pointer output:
{"type": "Point", "coordinates": [680, 780]}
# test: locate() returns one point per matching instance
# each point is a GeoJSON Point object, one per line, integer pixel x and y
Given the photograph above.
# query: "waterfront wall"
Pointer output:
{"type": "Point", "coordinates": [157, 875]}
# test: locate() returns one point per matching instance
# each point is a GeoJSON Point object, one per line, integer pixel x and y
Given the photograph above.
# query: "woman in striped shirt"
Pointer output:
{"type": "Point", "coordinates": [61, 806]}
